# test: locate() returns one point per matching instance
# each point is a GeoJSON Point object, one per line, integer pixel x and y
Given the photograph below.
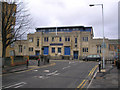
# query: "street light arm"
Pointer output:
{"type": "Point", "coordinates": [91, 5]}
{"type": "Point", "coordinates": [96, 5]}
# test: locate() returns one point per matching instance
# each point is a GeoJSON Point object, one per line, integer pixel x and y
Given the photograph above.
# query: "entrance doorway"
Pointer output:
{"type": "Point", "coordinates": [37, 53]}
{"type": "Point", "coordinates": [75, 54]}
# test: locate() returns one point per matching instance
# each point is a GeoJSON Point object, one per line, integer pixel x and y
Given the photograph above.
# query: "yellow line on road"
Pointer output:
{"type": "Point", "coordinates": [84, 84]}
{"type": "Point", "coordinates": [80, 84]}
{"type": "Point", "coordinates": [91, 72]}
{"type": "Point", "coordinates": [85, 81]}
{"type": "Point", "coordinates": [94, 69]}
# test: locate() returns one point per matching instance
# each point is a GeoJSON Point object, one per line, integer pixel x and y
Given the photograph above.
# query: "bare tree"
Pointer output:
{"type": "Point", "coordinates": [15, 22]}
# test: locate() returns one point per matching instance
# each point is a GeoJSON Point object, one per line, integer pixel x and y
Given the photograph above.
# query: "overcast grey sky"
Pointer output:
{"type": "Point", "coordinates": [76, 12]}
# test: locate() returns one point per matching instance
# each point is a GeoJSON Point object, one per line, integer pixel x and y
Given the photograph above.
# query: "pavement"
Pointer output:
{"type": "Point", "coordinates": [107, 78]}
{"type": "Point", "coordinates": [32, 64]}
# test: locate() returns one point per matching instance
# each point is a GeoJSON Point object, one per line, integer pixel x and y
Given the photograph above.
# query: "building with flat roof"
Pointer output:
{"type": "Point", "coordinates": [65, 42]}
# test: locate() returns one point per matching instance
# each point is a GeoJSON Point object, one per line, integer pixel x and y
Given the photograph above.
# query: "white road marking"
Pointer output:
{"type": "Point", "coordinates": [66, 67]}
{"type": "Point", "coordinates": [36, 70]}
{"type": "Point", "coordinates": [46, 70]}
{"type": "Point", "coordinates": [15, 84]}
{"type": "Point", "coordinates": [18, 86]}
{"type": "Point", "coordinates": [40, 76]}
{"type": "Point", "coordinates": [71, 62]}
{"type": "Point", "coordinates": [52, 73]}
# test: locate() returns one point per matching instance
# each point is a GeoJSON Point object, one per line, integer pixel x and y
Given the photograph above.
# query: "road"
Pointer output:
{"type": "Point", "coordinates": [64, 74]}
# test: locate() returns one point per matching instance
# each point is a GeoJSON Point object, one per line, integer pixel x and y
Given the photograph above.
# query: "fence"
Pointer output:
{"type": "Point", "coordinates": [15, 60]}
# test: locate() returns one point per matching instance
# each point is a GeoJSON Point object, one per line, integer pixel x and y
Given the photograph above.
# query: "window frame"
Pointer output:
{"type": "Point", "coordinates": [59, 48]}
{"type": "Point", "coordinates": [53, 49]}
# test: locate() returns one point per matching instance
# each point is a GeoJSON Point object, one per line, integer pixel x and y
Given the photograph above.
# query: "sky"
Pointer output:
{"type": "Point", "coordinates": [75, 12]}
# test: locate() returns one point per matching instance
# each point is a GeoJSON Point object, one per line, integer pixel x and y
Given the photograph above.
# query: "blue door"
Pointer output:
{"type": "Point", "coordinates": [46, 50]}
{"type": "Point", "coordinates": [75, 54]}
{"type": "Point", "coordinates": [66, 50]}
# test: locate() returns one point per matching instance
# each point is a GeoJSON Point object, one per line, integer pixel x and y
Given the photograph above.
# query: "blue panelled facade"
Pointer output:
{"type": "Point", "coordinates": [66, 50]}
{"type": "Point", "coordinates": [46, 50]}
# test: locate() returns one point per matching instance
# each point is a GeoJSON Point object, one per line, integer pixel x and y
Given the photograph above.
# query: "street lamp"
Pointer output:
{"type": "Point", "coordinates": [91, 5]}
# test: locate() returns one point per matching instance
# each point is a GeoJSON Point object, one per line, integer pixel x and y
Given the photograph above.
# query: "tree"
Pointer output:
{"type": "Point", "coordinates": [15, 22]}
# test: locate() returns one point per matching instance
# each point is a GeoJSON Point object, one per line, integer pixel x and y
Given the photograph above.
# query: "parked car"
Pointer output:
{"type": "Point", "coordinates": [92, 58]}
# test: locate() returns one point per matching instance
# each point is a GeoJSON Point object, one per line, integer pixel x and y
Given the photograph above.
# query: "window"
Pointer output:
{"type": "Point", "coordinates": [31, 49]}
{"type": "Point", "coordinates": [20, 48]}
{"type": "Point", "coordinates": [52, 38]}
{"type": "Point", "coordinates": [31, 39]}
{"type": "Point", "coordinates": [115, 47]}
{"type": "Point", "coordinates": [60, 39]}
{"type": "Point", "coordinates": [85, 49]}
{"type": "Point", "coordinates": [37, 42]}
{"type": "Point", "coordinates": [109, 47]}
{"type": "Point", "coordinates": [45, 39]}
{"type": "Point", "coordinates": [12, 45]}
{"type": "Point", "coordinates": [98, 48]}
{"type": "Point", "coordinates": [85, 39]}
{"type": "Point", "coordinates": [75, 40]}
{"type": "Point", "coordinates": [53, 50]}
{"type": "Point", "coordinates": [67, 39]}
{"type": "Point", "coordinates": [75, 45]}
{"type": "Point", "coordinates": [59, 50]}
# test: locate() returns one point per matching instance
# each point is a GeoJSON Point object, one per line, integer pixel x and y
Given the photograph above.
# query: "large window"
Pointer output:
{"type": "Point", "coordinates": [45, 39]}
{"type": "Point", "coordinates": [75, 40]}
{"type": "Point", "coordinates": [30, 49]}
{"type": "Point", "coordinates": [53, 50]}
{"type": "Point", "coordinates": [31, 39]}
{"type": "Point", "coordinates": [60, 39]}
{"type": "Point", "coordinates": [85, 49]}
{"type": "Point", "coordinates": [67, 39]}
{"type": "Point", "coordinates": [20, 48]}
{"type": "Point", "coordinates": [59, 50]}
{"type": "Point", "coordinates": [85, 39]}
{"type": "Point", "coordinates": [53, 39]}
{"type": "Point", "coordinates": [37, 42]}
{"type": "Point", "coordinates": [98, 48]}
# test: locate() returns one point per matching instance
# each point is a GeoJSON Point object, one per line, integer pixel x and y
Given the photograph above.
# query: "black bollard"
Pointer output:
{"type": "Point", "coordinates": [99, 66]}
{"type": "Point", "coordinates": [38, 62]}
{"type": "Point", "coordinates": [27, 63]}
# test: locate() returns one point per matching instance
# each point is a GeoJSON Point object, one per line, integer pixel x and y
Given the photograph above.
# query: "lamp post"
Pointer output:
{"type": "Point", "coordinates": [91, 5]}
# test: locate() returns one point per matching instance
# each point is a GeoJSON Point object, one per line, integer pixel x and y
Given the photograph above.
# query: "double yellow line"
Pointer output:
{"type": "Point", "coordinates": [81, 85]}
{"type": "Point", "coordinates": [91, 72]}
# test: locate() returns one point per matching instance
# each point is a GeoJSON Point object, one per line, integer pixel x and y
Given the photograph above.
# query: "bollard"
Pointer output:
{"type": "Point", "coordinates": [38, 62]}
{"type": "Point", "coordinates": [99, 66]}
{"type": "Point", "coordinates": [27, 63]}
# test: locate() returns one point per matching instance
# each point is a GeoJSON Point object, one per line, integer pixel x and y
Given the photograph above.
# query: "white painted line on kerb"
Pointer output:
{"type": "Point", "coordinates": [66, 67]}
{"type": "Point", "coordinates": [15, 84]}
{"type": "Point", "coordinates": [91, 80]}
